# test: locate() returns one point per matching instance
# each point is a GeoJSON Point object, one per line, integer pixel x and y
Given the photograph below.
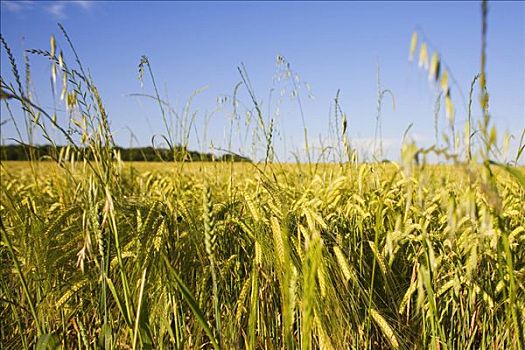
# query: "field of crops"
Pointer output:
{"type": "Point", "coordinates": [224, 255]}
{"type": "Point", "coordinates": [335, 251]}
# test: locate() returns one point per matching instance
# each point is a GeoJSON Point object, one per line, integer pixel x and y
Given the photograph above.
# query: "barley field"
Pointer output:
{"type": "Point", "coordinates": [231, 256]}
{"type": "Point", "coordinates": [101, 253]}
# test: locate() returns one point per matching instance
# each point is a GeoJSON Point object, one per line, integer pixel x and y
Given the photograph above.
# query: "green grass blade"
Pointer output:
{"type": "Point", "coordinates": [192, 303]}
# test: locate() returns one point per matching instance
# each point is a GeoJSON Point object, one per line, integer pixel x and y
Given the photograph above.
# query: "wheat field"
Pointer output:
{"type": "Point", "coordinates": [98, 253]}
{"type": "Point", "coordinates": [229, 256]}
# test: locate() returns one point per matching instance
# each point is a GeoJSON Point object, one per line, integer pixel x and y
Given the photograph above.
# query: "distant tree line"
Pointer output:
{"type": "Point", "coordinates": [135, 154]}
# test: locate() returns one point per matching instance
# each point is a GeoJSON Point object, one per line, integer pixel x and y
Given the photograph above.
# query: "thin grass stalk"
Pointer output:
{"type": "Point", "coordinates": [136, 331]}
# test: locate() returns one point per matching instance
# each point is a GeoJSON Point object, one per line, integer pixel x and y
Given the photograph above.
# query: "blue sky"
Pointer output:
{"type": "Point", "coordinates": [331, 45]}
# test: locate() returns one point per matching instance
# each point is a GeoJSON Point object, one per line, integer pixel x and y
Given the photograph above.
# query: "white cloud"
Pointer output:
{"type": "Point", "coordinates": [421, 138]}
{"type": "Point", "coordinates": [58, 9]}
{"type": "Point", "coordinates": [368, 148]}
{"type": "Point", "coordinates": [11, 6]}
{"type": "Point", "coordinates": [16, 6]}
{"type": "Point", "coordinates": [369, 142]}
{"type": "Point", "coordinates": [85, 4]}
